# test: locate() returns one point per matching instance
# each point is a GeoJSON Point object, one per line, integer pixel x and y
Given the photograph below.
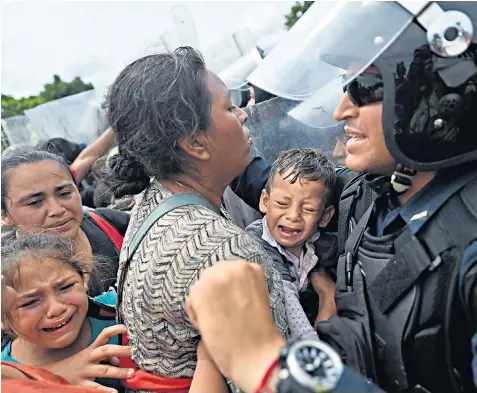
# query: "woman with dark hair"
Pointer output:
{"type": "Point", "coordinates": [177, 132]}
{"type": "Point", "coordinates": [39, 193]}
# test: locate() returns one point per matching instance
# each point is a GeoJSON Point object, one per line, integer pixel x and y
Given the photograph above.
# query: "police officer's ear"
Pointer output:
{"type": "Point", "coordinates": [326, 216]}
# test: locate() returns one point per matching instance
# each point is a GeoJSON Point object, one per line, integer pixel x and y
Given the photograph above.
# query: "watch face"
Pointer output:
{"type": "Point", "coordinates": [315, 365]}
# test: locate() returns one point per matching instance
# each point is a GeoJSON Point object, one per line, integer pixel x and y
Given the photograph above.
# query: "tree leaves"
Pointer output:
{"type": "Point", "coordinates": [52, 91]}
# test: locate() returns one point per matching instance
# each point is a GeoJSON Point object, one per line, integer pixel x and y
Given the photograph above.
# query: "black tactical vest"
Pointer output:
{"type": "Point", "coordinates": [401, 322]}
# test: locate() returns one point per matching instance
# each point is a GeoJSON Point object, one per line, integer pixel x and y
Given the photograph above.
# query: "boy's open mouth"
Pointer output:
{"type": "Point", "coordinates": [52, 329]}
{"type": "Point", "coordinates": [288, 231]}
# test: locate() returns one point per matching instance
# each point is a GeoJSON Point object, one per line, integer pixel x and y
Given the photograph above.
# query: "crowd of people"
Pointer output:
{"type": "Point", "coordinates": [358, 277]}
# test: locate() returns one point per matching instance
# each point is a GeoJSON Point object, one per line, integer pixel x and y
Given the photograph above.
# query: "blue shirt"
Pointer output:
{"type": "Point", "coordinates": [97, 326]}
{"type": "Point", "coordinates": [423, 205]}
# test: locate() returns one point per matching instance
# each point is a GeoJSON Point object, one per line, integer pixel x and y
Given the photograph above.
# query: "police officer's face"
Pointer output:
{"type": "Point", "coordinates": [367, 151]}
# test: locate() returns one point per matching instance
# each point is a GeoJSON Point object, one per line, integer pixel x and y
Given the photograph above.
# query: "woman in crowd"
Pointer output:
{"type": "Point", "coordinates": [175, 123]}
{"type": "Point", "coordinates": [39, 193]}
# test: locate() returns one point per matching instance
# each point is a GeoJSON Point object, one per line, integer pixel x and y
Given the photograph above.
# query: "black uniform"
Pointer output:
{"type": "Point", "coordinates": [407, 281]}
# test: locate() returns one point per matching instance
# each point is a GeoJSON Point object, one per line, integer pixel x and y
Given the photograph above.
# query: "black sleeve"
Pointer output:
{"type": "Point", "coordinates": [351, 382]}
{"type": "Point", "coordinates": [468, 280]}
{"type": "Point", "coordinates": [119, 219]}
{"type": "Point", "coordinates": [344, 177]}
{"type": "Point", "coordinates": [249, 185]}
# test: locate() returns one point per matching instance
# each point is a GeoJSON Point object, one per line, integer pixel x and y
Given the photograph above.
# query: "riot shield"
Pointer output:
{"type": "Point", "coordinates": [274, 130]}
{"type": "Point", "coordinates": [235, 75]}
{"type": "Point", "coordinates": [78, 118]}
{"type": "Point", "coordinates": [19, 130]}
{"type": "Point", "coordinates": [331, 38]}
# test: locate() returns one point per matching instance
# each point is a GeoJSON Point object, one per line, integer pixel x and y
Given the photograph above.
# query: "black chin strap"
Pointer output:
{"type": "Point", "coordinates": [401, 180]}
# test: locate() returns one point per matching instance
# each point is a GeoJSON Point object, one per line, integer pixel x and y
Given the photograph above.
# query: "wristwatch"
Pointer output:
{"type": "Point", "coordinates": [308, 366]}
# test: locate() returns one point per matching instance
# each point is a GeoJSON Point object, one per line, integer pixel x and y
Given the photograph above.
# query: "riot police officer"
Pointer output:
{"type": "Point", "coordinates": [407, 273]}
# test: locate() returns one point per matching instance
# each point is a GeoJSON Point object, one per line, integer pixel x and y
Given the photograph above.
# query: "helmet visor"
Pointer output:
{"type": "Point", "coordinates": [274, 130]}
{"type": "Point", "coordinates": [330, 39]}
{"type": "Point", "coordinates": [235, 75]}
{"type": "Point", "coordinates": [317, 111]}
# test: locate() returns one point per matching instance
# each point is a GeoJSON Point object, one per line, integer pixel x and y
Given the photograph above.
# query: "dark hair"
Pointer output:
{"type": "Point", "coordinates": [64, 148]}
{"type": "Point", "coordinates": [40, 247]}
{"type": "Point", "coordinates": [13, 161]}
{"type": "Point", "coordinates": [153, 103]}
{"type": "Point", "coordinates": [304, 164]}
{"type": "Point", "coordinates": [102, 197]}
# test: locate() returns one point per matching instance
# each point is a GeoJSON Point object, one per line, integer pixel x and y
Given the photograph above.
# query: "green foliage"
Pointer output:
{"type": "Point", "coordinates": [52, 91]}
{"type": "Point", "coordinates": [13, 107]}
{"type": "Point", "coordinates": [297, 12]}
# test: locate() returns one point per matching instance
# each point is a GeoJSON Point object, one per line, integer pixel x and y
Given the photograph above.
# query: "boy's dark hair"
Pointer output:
{"type": "Point", "coordinates": [304, 164]}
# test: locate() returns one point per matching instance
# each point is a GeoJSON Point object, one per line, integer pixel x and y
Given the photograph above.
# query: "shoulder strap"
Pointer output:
{"type": "Point", "coordinates": [455, 224]}
{"type": "Point", "coordinates": [454, 230]}
{"type": "Point", "coordinates": [351, 191]}
{"type": "Point", "coordinates": [453, 227]}
{"type": "Point", "coordinates": [107, 228]}
{"type": "Point", "coordinates": [171, 203]}
{"type": "Point", "coordinates": [174, 202]}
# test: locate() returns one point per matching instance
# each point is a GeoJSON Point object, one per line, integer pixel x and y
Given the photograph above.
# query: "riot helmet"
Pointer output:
{"type": "Point", "coordinates": [274, 130]}
{"type": "Point", "coordinates": [424, 72]}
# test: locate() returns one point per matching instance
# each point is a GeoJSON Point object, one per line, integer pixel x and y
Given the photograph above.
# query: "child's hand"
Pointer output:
{"type": "Point", "coordinates": [84, 367]}
{"type": "Point", "coordinates": [325, 288]}
{"type": "Point", "coordinates": [9, 297]}
{"type": "Point", "coordinates": [322, 285]}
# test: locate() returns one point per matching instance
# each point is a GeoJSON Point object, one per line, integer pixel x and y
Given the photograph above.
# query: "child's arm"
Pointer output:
{"type": "Point", "coordinates": [325, 288]}
{"type": "Point", "coordinates": [207, 377]}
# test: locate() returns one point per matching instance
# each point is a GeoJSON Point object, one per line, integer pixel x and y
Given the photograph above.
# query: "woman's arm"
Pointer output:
{"type": "Point", "coordinates": [207, 377]}
{"type": "Point", "coordinates": [91, 153]}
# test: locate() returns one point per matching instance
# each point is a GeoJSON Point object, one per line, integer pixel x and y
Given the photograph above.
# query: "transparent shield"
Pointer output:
{"type": "Point", "coordinates": [330, 39]}
{"type": "Point", "coordinates": [78, 118]}
{"type": "Point", "coordinates": [18, 130]}
{"type": "Point", "coordinates": [274, 130]}
{"type": "Point", "coordinates": [245, 40]}
{"type": "Point", "coordinates": [318, 110]}
{"type": "Point", "coordinates": [235, 75]}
